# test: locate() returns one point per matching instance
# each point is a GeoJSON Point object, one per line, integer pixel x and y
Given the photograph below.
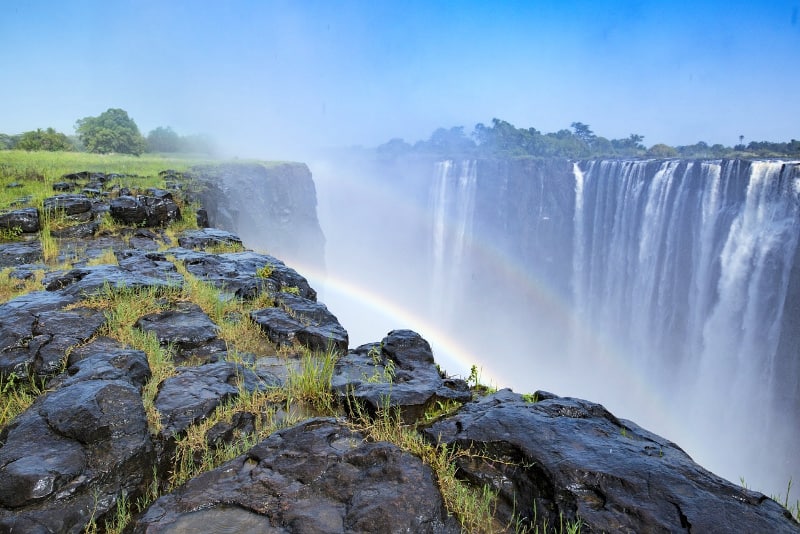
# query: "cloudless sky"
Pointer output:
{"type": "Point", "coordinates": [275, 79]}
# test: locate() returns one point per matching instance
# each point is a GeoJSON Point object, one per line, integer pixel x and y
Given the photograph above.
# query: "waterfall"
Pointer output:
{"type": "Point", "coordinates": [452, 199]}
{"type": "Point", "coordinates": [685, 266]}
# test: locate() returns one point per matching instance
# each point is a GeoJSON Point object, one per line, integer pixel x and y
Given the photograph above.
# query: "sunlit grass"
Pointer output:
{"type": "Point", "coordinates": [11, 286]}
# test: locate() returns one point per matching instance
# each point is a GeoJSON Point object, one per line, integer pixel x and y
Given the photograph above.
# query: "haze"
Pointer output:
{"type": "Point", "coordinates": [278, 79]}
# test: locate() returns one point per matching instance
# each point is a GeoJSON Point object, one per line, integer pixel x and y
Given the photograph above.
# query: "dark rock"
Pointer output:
{"type": "Point", "coordinates": [77, 176]}
{"type": "Point", "coordinates": [270, 207]}
{"type": "Point", "coordinates": [69, 204]}
{"type": "Point", "coordinates": [223, 433]}
{"type": "Point", "coordinates": [207, 237]}
{"type": "Point", "coordinates": [186, 327]}
{"type": "Point", "coordinates": [202, 218]}
{"type": "Point", "coordinates": [35, 336]}
{"type": "Point", "coordinates": [26, 220]}
{"type": "Point", "coordinates": [238, 273]}
{"type": "Point", "coordinates": [144, 239]}
{"type": "Point", "coordinates": [572, 458]}
{"type": "Point", "coordinates": [399, 372]}
{"type": "Point", "coordinates": [318, 476]}
{"type": "Point", "coordinates": [195, 392]}
{"type": "Point", "coordinates": [12, 254]}
{"type": "Point", "coordinates": [79, 231]}
{"type": "Point", "coordinates": [90, 445]}
{"type": "Point", "coordinates": [280, 327]}
{"type": "Point", "coordinates": [63, 187]}
{"type": "Point", "coordinates": [84, 281]}
{"type": "Point", "coordinates": [128, 210]}
{"type": "Point", "coordinates": [104, 359]}
{"type": "Point", "coordinates": [144, 210]}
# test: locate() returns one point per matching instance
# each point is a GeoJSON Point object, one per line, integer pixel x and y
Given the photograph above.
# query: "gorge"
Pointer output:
{"type": "Point", "coordinates": [668, 290]}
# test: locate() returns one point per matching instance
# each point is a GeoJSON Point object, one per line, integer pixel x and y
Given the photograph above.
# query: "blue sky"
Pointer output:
{"type": "Point", "coordinates": [276, 79]}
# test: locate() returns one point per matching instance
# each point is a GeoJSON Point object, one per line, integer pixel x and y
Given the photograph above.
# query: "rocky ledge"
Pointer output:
{"type": "Point", "coordinates": [114, 428]}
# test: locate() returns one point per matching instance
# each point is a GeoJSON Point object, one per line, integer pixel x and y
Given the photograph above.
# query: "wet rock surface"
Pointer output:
{"type": "Point", "coordinates": [245, 274]}
{"type": "Point", "coordinates": [25, 220]}
{"type": "Point", "coordinates": [72, 453]}
{"type": "Point", "coordinates": [307, 321]}
{"type": "Point", "coordinates": [184, 329]}
{"type": "Point", "coordinates": [318, 476]}
{"type": "Point", "coordinates": [144, 210]}
{"type": "Point", "coordinates": [571, 457]}
{"type": "Point", "coordinates": [195, 392]}
{"type": "Point", "coordinates": [399, 372]}
{"type": "Point", "coordinates": [86, 440]}
{"type": "Point", "coordinates": [208, 237]}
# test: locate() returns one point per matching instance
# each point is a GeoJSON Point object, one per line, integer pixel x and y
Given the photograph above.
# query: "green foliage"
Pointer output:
{"type": "Point", "coordinates": [111, 131]}
{"type": "Point", "coordinates": [502, 139]}
{"type": "Point", "coordinates": [163, 140]}
{"type": "Point", "coordinates": [265, 271]}
{"type": "Point", "coordinates": [49, 140]}
{"type": "Point", "coordinates": [662, 151]}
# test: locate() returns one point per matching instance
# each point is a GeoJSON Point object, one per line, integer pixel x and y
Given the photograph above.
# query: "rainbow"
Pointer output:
{"type": "Point", "coordinates": [638, 398]}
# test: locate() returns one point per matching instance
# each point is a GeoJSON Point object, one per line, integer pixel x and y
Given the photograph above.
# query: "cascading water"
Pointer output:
{"type": "Point", "coordinates": [452, 204]}
{"type": "Point", "coordinates": [684, 267]}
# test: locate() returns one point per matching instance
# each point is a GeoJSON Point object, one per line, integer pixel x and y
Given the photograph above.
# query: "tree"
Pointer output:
{"type": "Point", "coordinates": [44, 140]}
{"type": "Point", "coordinates": [8, 142]}
{"type": "Point", "coordinates": [163, 140]}
{"type": "Point", "coordinates": [583, 132]}
{"type": "Point", "coordinates": [111, 131]}
{"type": "Point", "coordinates": [662, 151]}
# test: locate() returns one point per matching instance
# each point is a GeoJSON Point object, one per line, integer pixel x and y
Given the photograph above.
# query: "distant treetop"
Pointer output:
{"type": "Point", "coordinates": [503, 139]}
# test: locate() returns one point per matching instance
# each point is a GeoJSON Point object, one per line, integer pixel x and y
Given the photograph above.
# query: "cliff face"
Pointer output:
{"type": "Point", "coordinates": [271, 206]}
{"type": "Point", "coordinates": [156, 392]}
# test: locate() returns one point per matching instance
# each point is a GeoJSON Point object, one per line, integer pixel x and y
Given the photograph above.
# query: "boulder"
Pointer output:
{"type": "Point", "coordinates": [571, 458]}
{"type": "Point", "coordinates": [207, 237]}
{"type": "Point", "coordinates": [91, 446]}
{"type": "Point", "coordinates": [68, 204]}
{"type": "Point", "coordinates": [185, 328]}
{"type": "Point", "coordinates": [13, 254]}
{"type": "Point", "coordinates": [398, 373]}
{"type": "Point", "coordinates": [195, 392]}
{"type": "Point", "coordinates": [317, 476]}
{"type": "Point", "coordinates": [144, 210]}
{"type": "Point", "coordinates": [283, 329]}
{"type": "Point", "coordinates": [245, 274]}
{"type": "Point", "coordinates": [34, 342]}
{"type": "Point", "coordinates": [25, 219]}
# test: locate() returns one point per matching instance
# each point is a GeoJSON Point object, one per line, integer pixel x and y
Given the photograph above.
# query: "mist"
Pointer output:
{"type": "Point", "coordinates": [302, 81]}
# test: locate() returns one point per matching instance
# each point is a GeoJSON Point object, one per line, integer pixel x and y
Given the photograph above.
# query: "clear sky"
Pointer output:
{"type": "Point", "coordinates": [275, 78]}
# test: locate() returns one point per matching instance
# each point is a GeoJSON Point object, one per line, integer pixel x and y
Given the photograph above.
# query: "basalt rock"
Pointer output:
{"type": "Point", "coordinates": [35, 338]}
{"type": "Point", "coordinates": [305, 320]}
{"type": "Point", "coordinates": [208, 237]}
{"type": "Point", "coordinates": [318, 476]}
{"type": "Point", "coordinates": [399, 371]}
{"type": "Point", "coordinates": [185, 328]}
{"type": "Point", "coordinates": [71, 455]}
{"type": "Point", "coordinates": [570, 458]}
{"type": "Point", "coordinates": [283, 328]}
{"type": "Point", "coordinates": [194, 392]}
{"type": "Point", "coordinates": [68, 204]}
{"type": "Point", "coordinates": [13, 254]}
{"type": "Point", "coordinates": [145, 210]}
{"type": "Point", "coordinates": [245, 274]}
{"type": "Point", "coordinates": [272, 207]}
{"type": "Point", "coordinates": [25, 220]}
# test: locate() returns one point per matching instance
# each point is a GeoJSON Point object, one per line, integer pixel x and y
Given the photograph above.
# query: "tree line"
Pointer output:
{"type": "Point", "coordinates": [502, 139]}
{"type": "Point", "coordinates": [113, 131]}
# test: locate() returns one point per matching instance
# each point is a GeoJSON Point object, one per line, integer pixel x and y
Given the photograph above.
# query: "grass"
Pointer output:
{"type": "Point", "coordinates": [11, 287]}
{"type": "Point", "coordinates": [15, 397]}
{"type": "Point", "coordinates": [473, 508]}
{"type": "Point", "coordinates": [307, 390]}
